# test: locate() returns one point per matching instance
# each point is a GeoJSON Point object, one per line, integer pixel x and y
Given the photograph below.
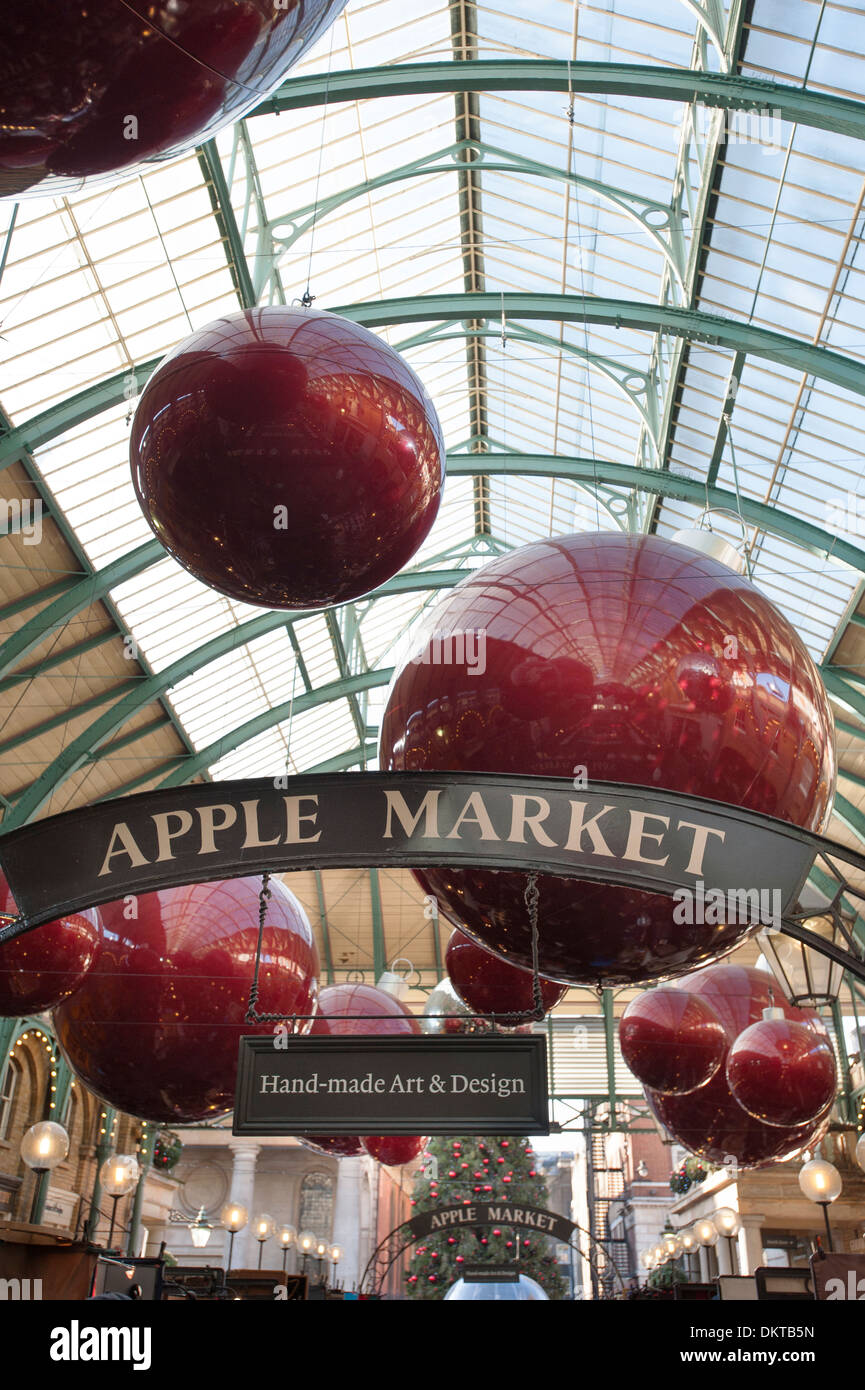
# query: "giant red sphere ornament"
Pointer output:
{"type": "Point", "coordinates": [89, 90]}
{"type": "Point", "coordinates": [489, 985]}
{"type": "Point", "coordinates": [45, 966]}
{"type": "Point", "coordinates": [781, 1072]}
{"type": "Point", "coordinates": [672, 1040]}
{"type": "Point", "coordinates": [288, 458]}
{"type": "Point", "coordinates": [709, 1121]}
{"type": "Point", "coordinates": [154, 1028]}
{"type": "Point", "coordinates": [620, 658]}
{"type": "Point", "coordinates": [350, 1010]}
{"type": "Point", "coordinates": [393, 1150]}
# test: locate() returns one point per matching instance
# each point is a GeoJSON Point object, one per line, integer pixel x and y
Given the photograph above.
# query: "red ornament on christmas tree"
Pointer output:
{"type": "Point", "coordinates": [288, 458]}
{"type": "Point", "coordinates": [587, 642]}
{"type": "Point", "coordinates": [781, 1072]}
{"type": "Point", "coordinates": [155, 1025]}
{"type": "Point", "coordinates": [43, 967]}
{"type": "Point", "coordinates": [72, 73]}
{"type": "Point", "coordinates": [489, 985]}
{"type": "Point", "coordinates": [672, 1040]}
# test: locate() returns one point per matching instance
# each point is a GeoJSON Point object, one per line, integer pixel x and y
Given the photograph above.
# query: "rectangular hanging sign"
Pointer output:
{"type": "Point", "coordinates": [391, 1085]}
{"type": "Point", "coordinates": [641, 837]}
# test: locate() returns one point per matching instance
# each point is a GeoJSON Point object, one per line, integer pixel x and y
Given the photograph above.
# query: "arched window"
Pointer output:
{"type": "Point", "coordinates": [316, 1204]}
{"type": "Point", "coordinates": [7, 1097]}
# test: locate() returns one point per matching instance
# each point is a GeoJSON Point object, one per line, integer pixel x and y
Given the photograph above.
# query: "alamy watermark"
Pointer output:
{"type": "Point", "coordinates": [761, 127]}
{"type": "Point", "coordinates": [21, 516]}
{"type": "Point", "coordinates": [466, 647]}
{"type": "Point", "coordinates": [713, 907]}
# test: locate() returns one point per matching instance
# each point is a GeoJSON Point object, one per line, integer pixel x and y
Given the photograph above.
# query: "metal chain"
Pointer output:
{"type": "Point", "coordinates": [532, 899]}
{"type": "Point", "coordinates": [252, 1015]}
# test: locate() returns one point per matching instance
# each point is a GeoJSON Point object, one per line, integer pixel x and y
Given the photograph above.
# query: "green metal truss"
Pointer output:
{"type": "Point", "coordinates": [653, 218]}
{"type": "Point", "coordinates": [691, 324]}
{"type": "Point", "coordinates": [641, 80]}
{"type": "Point", "coordinates": [81, 749]}
{"type": "Point", "coordinates": [345, 687]}
{"type": "Point", "coordinates": [591, 472]}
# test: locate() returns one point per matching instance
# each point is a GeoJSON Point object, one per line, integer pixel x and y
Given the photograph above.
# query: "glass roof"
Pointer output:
{"type": "Point", "coordinates": [500, 191]}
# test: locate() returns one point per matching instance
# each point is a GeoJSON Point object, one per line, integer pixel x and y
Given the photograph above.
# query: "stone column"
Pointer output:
{"type": "Point", "coordinates": [347, 1220]}
{"type": "Point", "coordinates": [751, 1244]}
{"type": "Point", "coordinates": [245, 1155]}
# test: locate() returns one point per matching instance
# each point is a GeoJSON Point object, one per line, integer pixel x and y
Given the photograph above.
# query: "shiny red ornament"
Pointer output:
{"type": "Point", "coordinates": [43, 967]}
{"type": "Point", "coordinates": [339, 1007]}
{"type": "Point", "coordinates": [393, 1150]}
{"type": "Point", "coordinates": [287, 458]}
{"type": "Point", "coordinates": [781, 1072]}
{"type": "Point", "coordinates": [709, 1121]}
{"type": "Point", "coordinates": [587, 641]}
{"type": "Point", "coordinates": [672, 1040]}
{"type": "Point", "coordinates": [154, 1027]}
{"type": "Point", "coordinates": [89, 90]}
{"type": "Point", "coordinates": [489, 985]}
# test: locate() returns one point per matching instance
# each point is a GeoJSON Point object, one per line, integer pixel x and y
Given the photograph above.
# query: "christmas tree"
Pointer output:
{"type": "Point", "coordinates": [463, 1171]}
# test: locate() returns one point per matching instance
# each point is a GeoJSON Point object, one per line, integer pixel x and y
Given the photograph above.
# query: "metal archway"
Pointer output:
{"type": "Point", "coordinates": [555, 1226]}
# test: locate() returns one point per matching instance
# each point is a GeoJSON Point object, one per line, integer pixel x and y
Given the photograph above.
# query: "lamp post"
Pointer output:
{"type": "Point", "coordinates": [821, 1183]}
{"type": "Point", "coordinates": [263, 1226]}
{"type": "Point", "coordinates": [234, 1217]}
{"type": "Point", "coordinates": [335, 1254]}
{"type": "Point", "coordinates": [118, 1175]}
{"type": "Point", "coordinates": [287, 1238]}
{"type": "Point", "coordinates": [706, 1234]}
{"type": "Point", "coordinates": [689, 1247]}
{"type": "Point", "coordinates": [306, 1243]}
{"type": "Point", "coordinates": [44, 1146]}
{"type": "Point", "coordinates": [728, 1223]}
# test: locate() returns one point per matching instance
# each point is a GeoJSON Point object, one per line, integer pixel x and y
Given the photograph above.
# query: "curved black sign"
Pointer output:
{"type": "Point", "coordinates": [638, 836]}
{"type": "Point", "coordinates": [547, 1223]}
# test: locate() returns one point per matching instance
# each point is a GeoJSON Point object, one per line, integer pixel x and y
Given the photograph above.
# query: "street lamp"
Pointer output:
{"type": "Point", "coordinates": [689, 1246]}
{"type": "Point", "coordinates": [728, 1223]}
{"type": "Point", "coordinates": [234, 1217]}
{"type": "Point", "coordinates": [200, 1229]}
{"type": "Point", "coordinates": [306, 1243]}
{"type": "Point", "coordinates": [263, 1225]}
{"type": "Point", "coordinates": [287, 1238]}
{"type": "Point", "coordinates": [118, 1175]}
{"type": "Point", "coordinates": [821, 1183]}
{"type": "Point", "coordinates": [808, 979]}
{"type": "Point", "coordinates": [44, 1146]}
{"type": "Point", "coordinates": [672, 1245]}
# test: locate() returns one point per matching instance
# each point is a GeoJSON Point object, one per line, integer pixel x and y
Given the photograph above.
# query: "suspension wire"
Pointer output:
{"type": "Point", "coordinates": [571, 115]}
{"type": "Point", "coordinates": [307, 297]}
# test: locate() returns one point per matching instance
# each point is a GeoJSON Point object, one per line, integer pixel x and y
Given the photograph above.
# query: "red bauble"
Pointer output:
{"type": "Point", "coordinates": [154, 1028]}
{"type": "Point", "coordinates": [288, 457]}
{"type": "Point", "coordinates": [490, 985]}
{"type": "Point", "coordinates": [781, 1072]}
{"type": "Point", "coordinates": [73, 73]}
{"type": "Point", "coordinates": [709, 1121]}
{"type": "Point", "coordinates": [338, 1010]}
{"type": "Point", "coordinates": [393, 1150]}
{"type": "Point", "coordinates": [584, 643]}
{"type": "Point", "coordinates": [672, 1040]}
{"type": "Point", "coordinates": [42, 968]}
{"type": "Point", "coordinates": [341, 1010]}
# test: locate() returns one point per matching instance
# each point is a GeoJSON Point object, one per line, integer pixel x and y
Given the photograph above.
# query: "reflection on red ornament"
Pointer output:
{"type": "Point", "coordinates": [781, 1072]}
{"type": "Point", "coordinates": [452, 1173]}
{"type": "Point", "coordinates": [459, 1259]}
{"type": "Point", "coordinates": [43, 967]}
{"type": "Point", "coordinates": [287, 457]}
{"type": "Point", "coordinates": [452, 1240]}
{"type": "Point", "coordinates": [489, 985]}
{"type": "Point", "coordinates": [154, 1027]}
{"type": "Point", "coordinates": [672, 1040]}
{"type": "Point", "coordinates": [608, 629]}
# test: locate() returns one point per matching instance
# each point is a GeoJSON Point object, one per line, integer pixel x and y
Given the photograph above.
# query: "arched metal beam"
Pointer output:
{"type": "Point", "coordinates": [652, 217]}
{"type": "Point", "coordinates": [692, 324]}
{"type": "Point", "coordinates": [583, 470]}
{"type": "Point", "coordinates": [641, 80]}
{"type": "Point", "coordinates": [325, 694]}
{"type": "Point", "coordinates": [80, 750]}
